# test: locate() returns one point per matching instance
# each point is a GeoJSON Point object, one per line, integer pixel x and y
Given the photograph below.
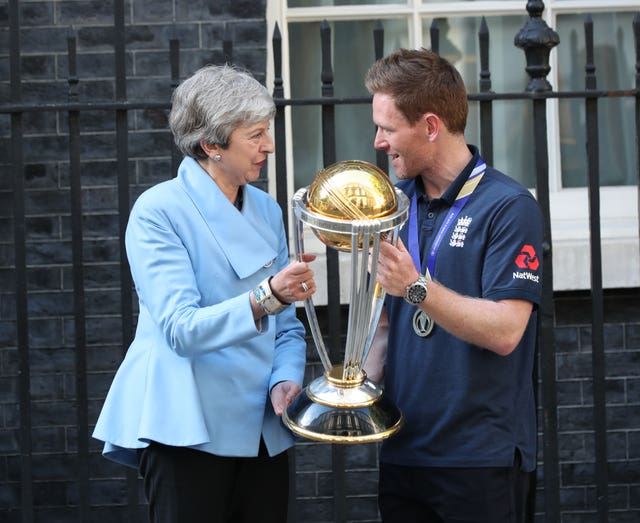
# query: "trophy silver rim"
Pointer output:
{"type": "Point", "coordinates": [336, 225]}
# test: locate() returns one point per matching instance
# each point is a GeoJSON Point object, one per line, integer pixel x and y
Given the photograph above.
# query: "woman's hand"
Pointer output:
{"type": "Point", "coordinates": [282, 394]}
{"type": "Point", "coordinates": [295, 282]}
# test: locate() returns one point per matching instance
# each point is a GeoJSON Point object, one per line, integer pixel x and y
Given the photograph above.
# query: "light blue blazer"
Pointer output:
{"type": "Point", "coordinates": [199, 372]}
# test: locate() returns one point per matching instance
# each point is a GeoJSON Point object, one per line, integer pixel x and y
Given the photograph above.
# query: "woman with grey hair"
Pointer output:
{"type": "Point", "coordinates": [218, 352]}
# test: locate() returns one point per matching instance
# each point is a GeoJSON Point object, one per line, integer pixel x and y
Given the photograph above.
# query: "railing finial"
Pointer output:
{"type": "Point", "coordinates": [537, 39]}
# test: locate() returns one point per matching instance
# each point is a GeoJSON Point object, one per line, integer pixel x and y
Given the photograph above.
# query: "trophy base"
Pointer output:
{"type": "Point", "coordinates": [343, 411]}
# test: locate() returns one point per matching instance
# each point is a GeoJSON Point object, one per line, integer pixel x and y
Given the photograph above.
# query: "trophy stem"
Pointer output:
{"type": "Point", "coordinates": [362, 295]}
{"type": "Point", "coordinates": [298, 247]}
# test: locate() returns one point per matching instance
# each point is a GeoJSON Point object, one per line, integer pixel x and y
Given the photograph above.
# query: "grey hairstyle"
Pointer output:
{"type": "Point", "coordinates": [213, 102]}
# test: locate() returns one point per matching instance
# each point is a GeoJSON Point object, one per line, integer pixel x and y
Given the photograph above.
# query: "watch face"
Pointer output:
{"type": "Point", "coordinates": [416, 293]}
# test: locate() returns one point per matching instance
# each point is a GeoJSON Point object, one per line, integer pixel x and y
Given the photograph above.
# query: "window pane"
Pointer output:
{"type": "Point", "coordinates": [331, 3]}
{"type": "Point", "coordinates": [615, 69]}
{"type": "Point", "coordinates": [458, 43]}
{"type": "Point", "coordinates": [354, 126]}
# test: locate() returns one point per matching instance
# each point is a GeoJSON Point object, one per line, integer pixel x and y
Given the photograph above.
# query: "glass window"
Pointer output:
{"type": "Point", "coordinates": [408, 24]}
{"type": "Point", "coordinates": [330, 3]}
{"type": "Point", "coordinates": [459, 43]}
{"type": "Point", "coordinates": [614, 70]}
{"type": "Point", "coordinates": [353, 121]}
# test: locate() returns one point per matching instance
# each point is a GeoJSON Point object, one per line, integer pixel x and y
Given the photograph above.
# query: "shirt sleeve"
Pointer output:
{"type": "Point", "coordinates": [513, 261]}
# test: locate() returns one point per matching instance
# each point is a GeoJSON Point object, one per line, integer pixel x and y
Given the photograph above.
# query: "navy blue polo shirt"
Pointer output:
{"type": "Point", "coordinates": [465, 406]}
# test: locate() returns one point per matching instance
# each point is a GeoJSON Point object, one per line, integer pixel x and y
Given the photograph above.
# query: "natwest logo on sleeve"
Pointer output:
{"type": "Point", "coordinates": [527, 259]}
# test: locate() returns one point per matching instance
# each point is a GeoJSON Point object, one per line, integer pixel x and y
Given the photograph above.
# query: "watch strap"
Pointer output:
{"type": "Point", "coordinates": [266, 299]}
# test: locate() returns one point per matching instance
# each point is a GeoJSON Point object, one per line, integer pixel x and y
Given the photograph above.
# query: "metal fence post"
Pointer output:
{"type": "Point", "coordinates": [19, 228]}
{"type": "Point", "coordinates": [537, 39]}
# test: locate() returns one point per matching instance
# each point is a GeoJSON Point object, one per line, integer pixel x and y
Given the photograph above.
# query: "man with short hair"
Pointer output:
{"type": "Point", "coordinates": [459, 324]}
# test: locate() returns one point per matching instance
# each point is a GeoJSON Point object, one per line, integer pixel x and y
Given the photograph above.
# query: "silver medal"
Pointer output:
{"type": "Point", "coordinates": [422, 323]}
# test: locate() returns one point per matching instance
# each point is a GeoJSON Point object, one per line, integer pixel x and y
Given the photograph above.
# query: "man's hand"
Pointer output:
{"type": "Point", "coordinates": [395, 268]}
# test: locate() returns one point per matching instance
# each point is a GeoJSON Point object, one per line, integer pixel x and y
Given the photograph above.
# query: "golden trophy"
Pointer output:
{"type": "Point", "coordinates": [350, 206]}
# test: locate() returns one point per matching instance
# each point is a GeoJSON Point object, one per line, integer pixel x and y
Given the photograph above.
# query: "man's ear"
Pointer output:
{"type": "Point", "coordinates": [432, 126]}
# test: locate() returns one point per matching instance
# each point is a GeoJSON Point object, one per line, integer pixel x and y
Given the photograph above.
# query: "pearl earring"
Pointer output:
{"type": "Point", "coordinates": [217, 158]}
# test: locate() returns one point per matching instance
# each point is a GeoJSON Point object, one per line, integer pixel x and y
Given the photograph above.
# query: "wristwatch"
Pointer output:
{"type": "Point", "coordinates": [416, 293]}
{"type": "Point", "coordinates": [266, 299]}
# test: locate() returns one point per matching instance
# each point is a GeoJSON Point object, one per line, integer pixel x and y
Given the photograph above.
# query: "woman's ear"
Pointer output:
{"type": "Point", "coordinates": [211, 149]}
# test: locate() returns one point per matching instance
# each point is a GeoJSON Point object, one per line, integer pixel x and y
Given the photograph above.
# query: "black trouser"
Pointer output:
{"type": "Point", "coordinates": [183, 485]}
{"type": "Point", "coordinates": [447, 495]}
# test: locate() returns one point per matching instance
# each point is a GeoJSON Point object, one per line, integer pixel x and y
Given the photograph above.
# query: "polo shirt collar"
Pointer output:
{"type": "Point", "coordinates": [454, 189]}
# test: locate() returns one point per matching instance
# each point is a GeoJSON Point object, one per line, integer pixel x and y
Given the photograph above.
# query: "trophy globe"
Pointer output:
{"type": "Point", "coordinates": [350, 206]}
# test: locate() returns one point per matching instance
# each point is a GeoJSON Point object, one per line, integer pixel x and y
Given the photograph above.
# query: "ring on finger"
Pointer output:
{"type": "Point", "coordinates": [304, 285]}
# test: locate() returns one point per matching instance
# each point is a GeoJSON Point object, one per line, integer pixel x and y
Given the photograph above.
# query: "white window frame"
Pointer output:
{"type": "Point", "coordinates": [569, 207]}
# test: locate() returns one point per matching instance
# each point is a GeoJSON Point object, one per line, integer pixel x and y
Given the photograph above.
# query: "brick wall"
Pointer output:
{"type": "Point", "coordinates": [575, 405]}
{"type": "Point", "coordinates": [200, 26]}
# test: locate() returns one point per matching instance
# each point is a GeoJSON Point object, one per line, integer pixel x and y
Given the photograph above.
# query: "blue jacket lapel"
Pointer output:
{"type": "Point", "coordinates": [247, 241]}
